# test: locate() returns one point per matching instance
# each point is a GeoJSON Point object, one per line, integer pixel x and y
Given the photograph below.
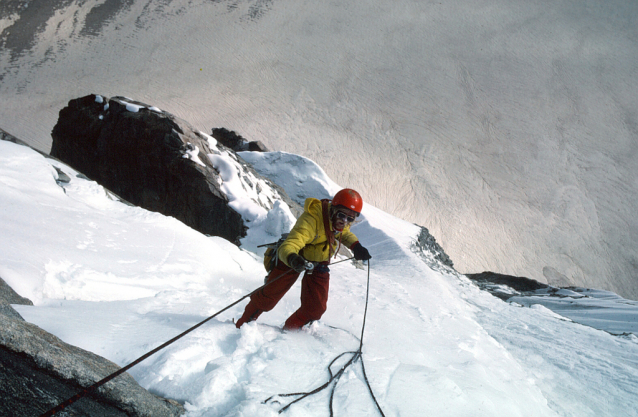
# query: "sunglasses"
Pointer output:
{"type": "Point", "coordinates": [343, 216]}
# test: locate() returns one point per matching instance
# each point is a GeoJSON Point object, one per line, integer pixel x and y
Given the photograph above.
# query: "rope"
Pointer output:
{"type": "Point", "coordinates": [120, 371]}
{"type": "Point", "coordinates": [356, 356]}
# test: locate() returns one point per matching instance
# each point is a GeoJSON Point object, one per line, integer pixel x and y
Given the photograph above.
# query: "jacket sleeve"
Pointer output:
{"type": "Point", "coordinates": [303, 232]}
{"type": "Point", "coordinates": [348, 238]}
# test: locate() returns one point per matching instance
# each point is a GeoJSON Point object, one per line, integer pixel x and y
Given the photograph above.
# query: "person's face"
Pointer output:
{"type": "Point", "coordinates": [343, 217]}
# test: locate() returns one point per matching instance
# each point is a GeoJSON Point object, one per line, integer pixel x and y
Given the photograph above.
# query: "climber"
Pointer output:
{"type": "Point", "coordinates": [315, 238]}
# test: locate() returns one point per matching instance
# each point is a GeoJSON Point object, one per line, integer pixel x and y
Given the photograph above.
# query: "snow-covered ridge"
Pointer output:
{"type": "Point", "coordinates": [118, 280]}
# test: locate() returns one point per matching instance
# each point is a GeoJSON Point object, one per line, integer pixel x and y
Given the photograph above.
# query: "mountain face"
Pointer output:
{"type": "Point", "coordinates": [507, 128]}
{"type": "Point", "coordinates": [116, 280]}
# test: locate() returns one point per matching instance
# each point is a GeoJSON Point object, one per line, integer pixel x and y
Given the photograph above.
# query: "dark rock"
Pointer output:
{"type": "Point", "coordinates": [520, 284]}
{"type": "Point", "coordinates": [25, 390]}
{"type": "Point", "coordinates": [237, 143]}
{"type": "Point", "coordinates": [505, 286]}
{"type": "Point", "coordinates": [148, 157]}
{"type": "Point", "coordinates": [257, 146]}
{"type": "Point", "coordinates": [230, 139]}
{"type": "Point", "coordinates": [431, 252]}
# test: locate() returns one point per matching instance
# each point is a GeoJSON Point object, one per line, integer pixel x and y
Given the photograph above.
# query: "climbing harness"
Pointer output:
{"type": "Point", "coordinates": [334, 378]}
{"type": "Point", "coordinates": [120, 371]}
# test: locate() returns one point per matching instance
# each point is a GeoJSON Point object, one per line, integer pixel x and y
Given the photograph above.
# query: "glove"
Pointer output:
{"type": "Point", "coordinates": [297, 262]}
{"type": "Point", "coordinates": [360, 253]}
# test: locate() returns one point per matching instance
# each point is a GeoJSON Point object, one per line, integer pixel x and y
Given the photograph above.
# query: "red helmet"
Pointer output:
{"type": "Point", "coordinates": [349, 199]}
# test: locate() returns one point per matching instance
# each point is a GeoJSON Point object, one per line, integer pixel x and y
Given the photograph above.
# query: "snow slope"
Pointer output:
{"type": "Point", "coordinates": [507, 127]}
{"type": "Point", "coordinates": [119, 280]}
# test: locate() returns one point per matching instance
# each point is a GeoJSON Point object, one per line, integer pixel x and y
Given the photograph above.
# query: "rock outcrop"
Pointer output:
{"type": "Point", "coordinates": [148, 157]}
{"type": "Point", "coordinates": [431, 252]}
{"type": "Point", "coordinates": [236, 142]}
{"type": "Point", "coordinates": [38, 371]}
{"type": "Point", "coordinates": [505, 286]}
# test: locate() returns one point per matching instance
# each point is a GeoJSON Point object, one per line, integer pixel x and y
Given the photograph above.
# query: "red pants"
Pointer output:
{"type": "Point", "coordinates": [314, 295]}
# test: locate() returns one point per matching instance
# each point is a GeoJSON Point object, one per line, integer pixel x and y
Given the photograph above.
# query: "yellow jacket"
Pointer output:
{"type": "Point", "coordinates": [308, 236]}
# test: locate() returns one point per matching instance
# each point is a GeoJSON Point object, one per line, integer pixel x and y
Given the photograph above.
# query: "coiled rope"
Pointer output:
{"type": "Point", "coordinates": [334, 378]}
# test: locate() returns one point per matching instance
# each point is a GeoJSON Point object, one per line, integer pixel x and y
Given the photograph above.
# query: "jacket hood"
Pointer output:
{"type": "Point", "coordinates": [312, 204]}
